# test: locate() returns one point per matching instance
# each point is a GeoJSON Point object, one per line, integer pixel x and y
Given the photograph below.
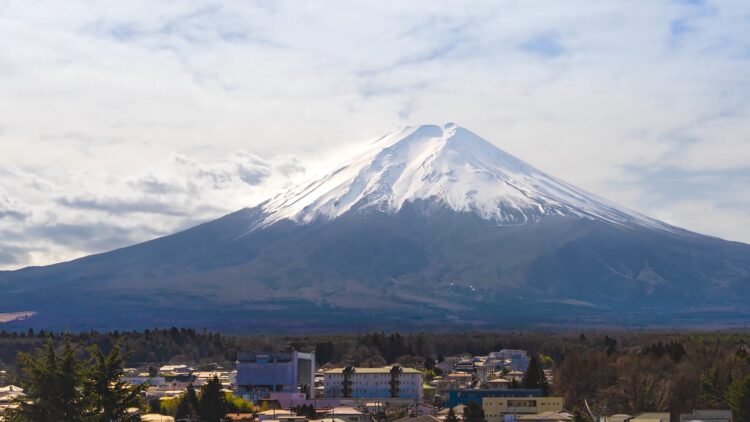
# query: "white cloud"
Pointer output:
{"type": "Point", "coordinates": [61, 215]}
{"type": "Point", "coordinates": [95, 95]}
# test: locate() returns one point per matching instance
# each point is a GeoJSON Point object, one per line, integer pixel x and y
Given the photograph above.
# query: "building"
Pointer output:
{"type": "Point", "coordinates": [276, 415]}
{"type": "Point", "coordinates": [707, 416]}
{"type": "Point", "coordinates": [495, 408]}
{"type": "Point", "coordinates": [543, 417]}
{"type": "Point", "coordinates": [348, 414]}
{"type": "Point", "coordinates": [386, 382]}
{"type": "Point", "coordinates": [259, 374]}
{"type": "Point", "coordinates": [422, 418]}
{"type": "Point", "coordinates": [499, 383]}
{"type": "Point", "coordinates": [619, 417]}
{"type": "Point", "coordinates": [175, 369]}
{"type": "Point", "coordinates": [144, 379]}
{"type": "Point", "coordinates": [464, 396]}
{"type": "Point", "coordinates": [652, 417]}
{"type": "Point", "coordinates": [514, 360]}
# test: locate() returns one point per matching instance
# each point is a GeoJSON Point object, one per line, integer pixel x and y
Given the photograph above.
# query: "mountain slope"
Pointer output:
{"type": "Point", "coordinates": [430, 226]}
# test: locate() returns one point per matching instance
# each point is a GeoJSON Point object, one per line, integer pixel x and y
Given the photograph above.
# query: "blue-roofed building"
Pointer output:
{"type": "Point", "coordinates": [464, 396]}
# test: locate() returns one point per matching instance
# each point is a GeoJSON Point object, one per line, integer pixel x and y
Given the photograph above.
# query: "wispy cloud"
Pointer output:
{"type": "Point", "coordinates": [101, 211]}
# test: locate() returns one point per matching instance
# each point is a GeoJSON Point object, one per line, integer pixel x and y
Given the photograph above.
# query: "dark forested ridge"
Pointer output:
{"type": "Point", "coordinates": [419, 274]}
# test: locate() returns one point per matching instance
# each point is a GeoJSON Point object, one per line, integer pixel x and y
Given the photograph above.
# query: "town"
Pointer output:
{"type": "Point", "coordinates": [508, 385]}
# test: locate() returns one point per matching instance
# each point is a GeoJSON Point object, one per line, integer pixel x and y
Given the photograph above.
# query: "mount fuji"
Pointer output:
{"type": "Point", "coordinates": [429, 227]}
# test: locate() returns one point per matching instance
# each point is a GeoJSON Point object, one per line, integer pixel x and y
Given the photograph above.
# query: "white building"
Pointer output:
{"type": "Point", "coordinates": [385, 382]}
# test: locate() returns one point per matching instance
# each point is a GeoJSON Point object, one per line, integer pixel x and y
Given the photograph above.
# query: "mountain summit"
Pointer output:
{"type": "Point", "coordinates": [429, 227]}
{"type": "Point", "coordinates": [450, 166]}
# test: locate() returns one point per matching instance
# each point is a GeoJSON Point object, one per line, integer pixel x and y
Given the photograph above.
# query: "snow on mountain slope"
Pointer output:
{"type": "Point", "coordinates": [452, 166]}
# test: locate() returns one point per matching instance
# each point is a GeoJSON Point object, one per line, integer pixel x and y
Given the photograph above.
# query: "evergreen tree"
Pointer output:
{"type": "Point", "coordinates": [394, 384]}
{"type": "Point", "coordinates": [534, 376]}
{"type": "Point", "coordinates": [738, 397]}
{"type": "Point", "coordinates": [187, 408]}
{"type": "Point", "coordinates": [473, 412]}
{"type": "Point", "coordinates": [213, 403]}
{"type": "Point", "coordinates": [346, 383]}
{"type": "Point", "coordinates": [109, 396]}
{"type": "Point", "coordinates": [53, 386]}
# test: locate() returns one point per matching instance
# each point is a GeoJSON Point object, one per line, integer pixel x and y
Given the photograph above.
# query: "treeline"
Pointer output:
{"type": "Point", "coordinates": [372, 349]}
{"type": "Point", "coordinates": [696, 371]}
{"type": "Point", "coordinates": [152, 346]}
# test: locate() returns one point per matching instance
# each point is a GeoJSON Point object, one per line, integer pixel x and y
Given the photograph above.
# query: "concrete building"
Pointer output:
{"type": "Point", "coordinates": [707, 416]}
{"type": "Point", "coordinates": [259, 374]}
{"type": "Point", "coordinates": [495, 408]}
{"type": "Point", "coordinates": [514, 360]}
{"type": "Point", "coordinates": [385, 382]}
{"type": "Point", "coordinates": [464, 396]}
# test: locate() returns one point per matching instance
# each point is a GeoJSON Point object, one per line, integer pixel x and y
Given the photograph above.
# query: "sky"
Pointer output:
{"type": "Point", "coordinates": [124, 121]}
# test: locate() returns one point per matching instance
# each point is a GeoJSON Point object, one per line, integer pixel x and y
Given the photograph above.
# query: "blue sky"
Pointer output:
{"type": "Point", "coordinates": [122, 121]}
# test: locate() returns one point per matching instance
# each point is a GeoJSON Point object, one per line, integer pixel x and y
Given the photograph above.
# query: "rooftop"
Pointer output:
{"type": "Point", "coordinates": [381, 370]}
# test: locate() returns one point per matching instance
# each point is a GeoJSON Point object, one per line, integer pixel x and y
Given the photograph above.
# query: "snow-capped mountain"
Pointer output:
{"type": "Point", "coordinates": [428, 227]}
{"type": "Point", "coordinates": [451, 166]}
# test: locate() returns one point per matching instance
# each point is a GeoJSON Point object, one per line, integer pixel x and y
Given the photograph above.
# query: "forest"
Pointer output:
{"type": "Point", "coordinates": [625, 371]}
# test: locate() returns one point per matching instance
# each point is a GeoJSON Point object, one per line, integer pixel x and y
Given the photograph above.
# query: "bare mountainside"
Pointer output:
{"type": "Point", "coordinates": [430, 227]}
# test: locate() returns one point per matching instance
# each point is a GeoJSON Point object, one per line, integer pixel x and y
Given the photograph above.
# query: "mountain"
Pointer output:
{"type": "Point", "coordinates": [430, 227]}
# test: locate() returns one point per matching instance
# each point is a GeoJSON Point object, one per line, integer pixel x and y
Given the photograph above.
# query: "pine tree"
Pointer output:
{"type": "Point", "coordinates": [53, 386]}
{"type": "Point", "coordinates": [187, 408]}
{"type": "Point", "coordinates": [109, 396]}
{"type": "Point", "coordinates": [213, 403]}
{"type": "Point", "coordinates": [534, 376]}
{"type": "Point", "coordinates": [738, 397]}
{"type": "Point", "coordinates": [473, 412]}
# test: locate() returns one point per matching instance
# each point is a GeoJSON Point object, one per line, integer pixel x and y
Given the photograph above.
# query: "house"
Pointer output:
{"type": "Point", "coordinates": [144, 379]}
{"type": "Point", "coordinates": [425, 418]}
{"type": "Point", "coordinates": [544, 417]}
{"type": "Point", "coordinates": [274, 414]}
{"type": "Point", "coordinates": [495, 408]}
{"type": "Point", "coordinates": [155, 417]}
{"type": "Point", "coordinates": [240, 417]}
{"type": "Point", "coordinates": [203, 377]}
{"type": "Point", "coordinates": [9, 394]}
{"type": "Point", "coordinates": [346, 414]}
{"type": "Point", "coordinates": [620, 417]}
{"type": "Point", "coordinates": [175, 369]}
{"type": "Point", "coordinates": [707, 416]}
{"type": "Point", "coordinates": [652, 417]}
{"type": "Point", "coordinates": [385, 382]}
{"type": "Point", "coordinates": [259, 374]}
{"type": "Point", "coordinates": [499, 383]}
